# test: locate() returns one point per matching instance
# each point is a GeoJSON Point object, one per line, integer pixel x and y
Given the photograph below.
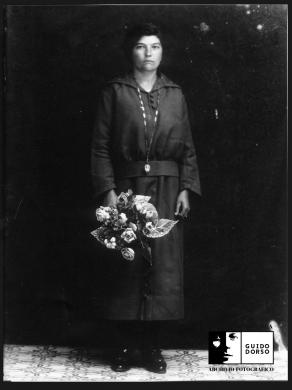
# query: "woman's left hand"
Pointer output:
{"type": "Point", "coordinates": [182, 204]}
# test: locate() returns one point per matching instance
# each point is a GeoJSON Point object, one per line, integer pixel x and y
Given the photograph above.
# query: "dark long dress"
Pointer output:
{"type": "Point", "coordinates": [137, 291]}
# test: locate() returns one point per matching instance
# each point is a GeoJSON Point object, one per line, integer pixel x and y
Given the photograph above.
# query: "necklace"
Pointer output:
{"type": "Point", "coordinates": [147, 166]}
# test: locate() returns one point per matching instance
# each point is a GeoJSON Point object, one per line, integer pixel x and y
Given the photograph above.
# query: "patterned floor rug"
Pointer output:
{"type": "Point", "coordinates": [36, 363]}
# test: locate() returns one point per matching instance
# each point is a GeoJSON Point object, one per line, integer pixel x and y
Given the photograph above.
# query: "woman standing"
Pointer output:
{"type": "Point", "coordinates": [142, 141]}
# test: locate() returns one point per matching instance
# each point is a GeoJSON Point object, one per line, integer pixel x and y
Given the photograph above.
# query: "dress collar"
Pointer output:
{"type": "Point", "coordinates": [161, 82]}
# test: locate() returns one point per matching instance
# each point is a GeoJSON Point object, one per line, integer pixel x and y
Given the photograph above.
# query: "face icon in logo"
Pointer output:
{"type": "Point", "coordinates": [224, 347]}
{"type": "Point", "coordinates": [233, 347]}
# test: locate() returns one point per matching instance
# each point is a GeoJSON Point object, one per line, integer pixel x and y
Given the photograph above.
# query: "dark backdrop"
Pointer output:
{"type": "Point", "coordinates": [233, 73]}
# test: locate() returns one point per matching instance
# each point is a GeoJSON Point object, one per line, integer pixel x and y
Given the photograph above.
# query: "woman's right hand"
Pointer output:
{"type": "Point", "coordinates": [110, 198]}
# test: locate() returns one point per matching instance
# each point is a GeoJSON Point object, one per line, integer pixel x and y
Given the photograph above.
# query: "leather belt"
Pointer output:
{"type": "Point", "coordinates": [137, 168]}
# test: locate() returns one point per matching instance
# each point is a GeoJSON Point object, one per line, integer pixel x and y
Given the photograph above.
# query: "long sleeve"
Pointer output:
{"type": "Point", "coordinates": [101, 163]}
{"type": "Point", "coordinates": [189, 171]}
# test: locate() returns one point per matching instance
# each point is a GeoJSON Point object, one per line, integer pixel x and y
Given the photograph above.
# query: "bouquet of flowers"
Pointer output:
{"type": "Point", "coordinates": [132, 222]}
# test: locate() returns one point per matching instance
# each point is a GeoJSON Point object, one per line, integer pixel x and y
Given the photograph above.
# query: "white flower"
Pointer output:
{"type": "Point", "coordinates": [110, 244]}
{"type": "Point", "coordinates": [149, 225]}
{"type": "Point", "coordinates": [148, 228]}
{"type": "Point", "coordinates": [128, 254]}
{"type": "Point", "coordinates": [102, 214]}
{"type": "Point", "coordinates": [149, 214]}
{"type": "Point", "coordinates": [123, 218]}
{"type": "Point", "coordinates": [128, 235]}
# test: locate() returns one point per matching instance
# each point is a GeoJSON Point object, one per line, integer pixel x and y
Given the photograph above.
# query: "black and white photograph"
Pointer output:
{"type": "Point", "coordinates": [145, 192]}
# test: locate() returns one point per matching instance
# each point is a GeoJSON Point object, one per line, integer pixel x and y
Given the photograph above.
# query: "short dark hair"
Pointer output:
{"type": "Point", "coordinates": [134, 33]}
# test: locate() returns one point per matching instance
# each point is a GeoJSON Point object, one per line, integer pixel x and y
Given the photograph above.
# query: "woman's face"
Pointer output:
{"type": "Point", "coordinates": [147, 53]}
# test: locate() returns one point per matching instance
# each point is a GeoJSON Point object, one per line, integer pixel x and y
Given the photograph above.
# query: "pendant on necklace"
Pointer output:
{"type": "Point", "coordinates": [147, 168]}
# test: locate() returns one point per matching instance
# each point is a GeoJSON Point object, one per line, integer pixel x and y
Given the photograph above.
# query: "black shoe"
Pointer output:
{"type": "Point", "coordinates": [154, 361]}
{"type": "Point", "coordinates": [121, 362]}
